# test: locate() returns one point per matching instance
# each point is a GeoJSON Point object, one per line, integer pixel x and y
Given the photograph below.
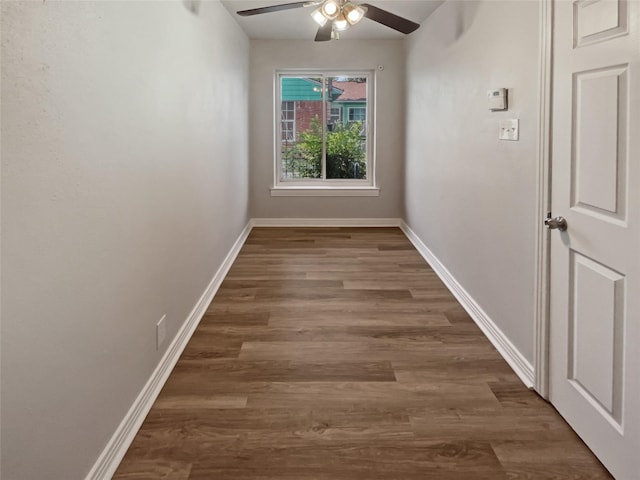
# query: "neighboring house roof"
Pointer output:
{"type": "Point", "coordinates": [351, 91]}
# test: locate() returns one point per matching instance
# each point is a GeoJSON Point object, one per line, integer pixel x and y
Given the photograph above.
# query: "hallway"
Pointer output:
{"type": "Point", "coordinates": [337, 353]}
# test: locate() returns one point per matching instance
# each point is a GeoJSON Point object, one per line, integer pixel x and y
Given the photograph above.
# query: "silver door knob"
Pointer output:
{"type": "Point", "coordinates": [558, 223]}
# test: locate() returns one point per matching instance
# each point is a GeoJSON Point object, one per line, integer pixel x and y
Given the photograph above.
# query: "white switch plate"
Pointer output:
{"type": "Point", "coordinates": [161, 331]}
{"type": "Point", "coordinates": [509, 129]}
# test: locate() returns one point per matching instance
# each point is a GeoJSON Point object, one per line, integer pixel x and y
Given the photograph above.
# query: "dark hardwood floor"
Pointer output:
{"type": "Point", "coordinates": [337, 354]}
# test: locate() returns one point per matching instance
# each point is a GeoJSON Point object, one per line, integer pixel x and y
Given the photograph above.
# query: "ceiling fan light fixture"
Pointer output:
{"type": "Point", "coordinates": [341, 23]}
{"type": "Point", "coordinates": [330, 9]}
{"type": "Point", "coordinates": [319, 17]}
{"type": "Point", "coordinates": [335, 15]}
{"type": "Point", "coordinates": [353, 13]}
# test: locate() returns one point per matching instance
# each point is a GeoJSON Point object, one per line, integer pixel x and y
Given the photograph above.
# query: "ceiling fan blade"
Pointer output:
{"type": "Point", "coordinates": [324, 33]}
{"type": "Point", "coordinates": [274, 8]}
{"type": "Point", "coordinates": [389, 19]}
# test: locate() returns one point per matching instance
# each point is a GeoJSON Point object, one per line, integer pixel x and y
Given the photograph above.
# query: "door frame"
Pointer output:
{"type": "Point", "coordinates": [543, 202]}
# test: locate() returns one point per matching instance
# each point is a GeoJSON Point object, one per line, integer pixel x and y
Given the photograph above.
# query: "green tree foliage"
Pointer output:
{"type": "Point", "coordinates": [345, 153]}
{"type": "Point", "coordinates": [346, 157]}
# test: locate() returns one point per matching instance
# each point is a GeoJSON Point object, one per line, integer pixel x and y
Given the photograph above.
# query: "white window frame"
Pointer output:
{"type": "Point", "coordinates": [320, 186]}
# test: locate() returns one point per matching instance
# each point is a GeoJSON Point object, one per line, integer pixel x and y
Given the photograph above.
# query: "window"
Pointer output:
{"type": "Point", "coordinates": [335, 116]}
{"type": "Point", "coordinates": [357, 114]}
{"type": "Point", "coordinates": [288, 119]}
{"type": "Point", "coordinates": [319, 147]}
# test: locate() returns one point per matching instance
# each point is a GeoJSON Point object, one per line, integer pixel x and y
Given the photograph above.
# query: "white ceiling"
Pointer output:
{"type": "Point", "coordinates": [298, 24]}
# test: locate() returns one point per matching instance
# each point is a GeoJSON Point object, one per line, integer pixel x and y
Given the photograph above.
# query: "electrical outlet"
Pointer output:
{"type": "Point", "coordinates": [161, 331]}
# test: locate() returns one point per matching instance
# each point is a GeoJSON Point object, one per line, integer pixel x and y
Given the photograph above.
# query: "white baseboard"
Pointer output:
{"type": "Point", "coordinates": [509, 352]}
{"type": "Point", "coordinates": [325, 222]}
{"type": "Point", "coordinates": [112, 455]}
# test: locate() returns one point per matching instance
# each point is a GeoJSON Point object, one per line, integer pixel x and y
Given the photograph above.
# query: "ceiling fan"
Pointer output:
{"type": "Point", "coordinates": [335, 16]}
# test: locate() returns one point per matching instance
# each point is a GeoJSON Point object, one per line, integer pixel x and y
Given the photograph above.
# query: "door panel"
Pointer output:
{"type": "Point", "coordinates": [595, 263]}
{"type": "Point", "coordinates": [598, 20]}
{"type": "Point", "coordinates": [596, 319]}
{"type": "Point", "coordinates": [600, 137]}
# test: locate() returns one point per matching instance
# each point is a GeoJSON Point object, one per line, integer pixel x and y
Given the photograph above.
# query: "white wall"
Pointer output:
{"type": "Point", "coordinates": [124, 185]}
{"type": "Point", "coordinates": [470, 197]}
{"type": "Point", "coordinates": [269, 55]}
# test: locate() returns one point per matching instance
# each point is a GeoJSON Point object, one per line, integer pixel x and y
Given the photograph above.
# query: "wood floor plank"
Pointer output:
{"type": "Point", "coordinates": [374, 394]}
{"type": "Point", "coordinates": [289, 371]}
{"type": "Point", "coordinates": [527, 459]}
{"type": "Point", "coordinates": [322, 330]}
{"type": "Point", "coordinates": [199, 402]}
{"type": "Point", "coordinates": [255, 427]}
{"type": "Point", "coordinates": [222, 317]}
{"type": "Point", "coordinates": [491, 370]}
{"type": "Point", "coordinates": [338, 354]}
{"type": "Point", "coordinates": [489, 425]}
{"type": "Point", "coordinates": [335, 309]}
{"type": "Point", "coordinates": [385, 460]}
{"type": "Point", "coordinates": [231, 284]}
{"type": "Point", "coordinates": [156, 468]}
{"type": "Point", "coordinates": [200, 348]}
{"type": "Point", "coordinates": [390, 350]}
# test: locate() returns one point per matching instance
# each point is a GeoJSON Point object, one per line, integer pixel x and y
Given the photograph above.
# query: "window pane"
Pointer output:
{"type": "Point", "coordinates": [357, 114]}
{"type": "Point", "coordinates": [301, 126]}
{"type": "Point", "coordinates": [335, 116]}
{"type": "Point", "coordinates": [288, 122]}
{"type": "Point", "coordinates": [346, 138]}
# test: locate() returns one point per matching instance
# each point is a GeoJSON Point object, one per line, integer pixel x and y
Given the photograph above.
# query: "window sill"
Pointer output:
{"type": "Point", "coordinates": [325, 191]}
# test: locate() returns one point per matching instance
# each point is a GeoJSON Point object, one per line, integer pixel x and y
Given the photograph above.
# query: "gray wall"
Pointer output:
{"type": "Point", "coordinates": [470, 197]}
{"type": "Point", "coordinates": [124, 186]}
{"type": "Point", "coordinates": [269, 55]}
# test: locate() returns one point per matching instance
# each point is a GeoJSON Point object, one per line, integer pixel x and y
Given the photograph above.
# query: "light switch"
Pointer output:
{"type": "Point", "coordinates": [509, 129]}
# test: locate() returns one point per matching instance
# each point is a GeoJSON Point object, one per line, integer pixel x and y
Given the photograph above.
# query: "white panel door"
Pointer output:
{"type": "Point", "coordinates": [595, 263]}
